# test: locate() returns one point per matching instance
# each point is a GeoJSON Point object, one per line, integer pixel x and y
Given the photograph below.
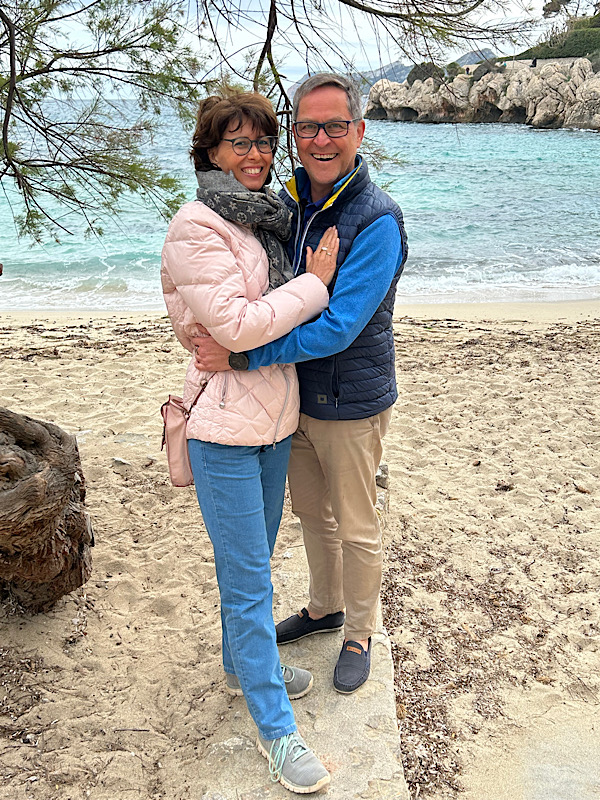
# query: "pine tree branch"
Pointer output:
{"type": "Point", "coordinates": [271, 28]}
{"type": "Point", "coordinates": [12, 85]}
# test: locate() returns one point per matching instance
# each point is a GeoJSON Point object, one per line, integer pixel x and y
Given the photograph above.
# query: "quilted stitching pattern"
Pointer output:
{"type": "Point", "coordinates": [365, 381]}
{"type": "Point", "coordinates": [244, 407]}
{"type": "Point", "coordinates": [214, 272]}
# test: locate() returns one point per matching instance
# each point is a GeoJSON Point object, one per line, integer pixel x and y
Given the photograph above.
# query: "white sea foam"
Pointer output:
{"type": "Point", "coordinates": [493, 212]}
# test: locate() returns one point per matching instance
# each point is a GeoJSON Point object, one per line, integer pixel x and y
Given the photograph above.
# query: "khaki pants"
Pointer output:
{"type": "Point", "coordinates": [332, 483]}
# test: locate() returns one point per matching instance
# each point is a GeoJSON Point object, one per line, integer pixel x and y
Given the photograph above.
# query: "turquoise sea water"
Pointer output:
{"type": "Point", "coordinates": [493, 212]}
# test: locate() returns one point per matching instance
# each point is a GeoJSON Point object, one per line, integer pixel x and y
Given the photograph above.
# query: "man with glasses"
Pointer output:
{"type": "Point", "coordinates": [345, 363]}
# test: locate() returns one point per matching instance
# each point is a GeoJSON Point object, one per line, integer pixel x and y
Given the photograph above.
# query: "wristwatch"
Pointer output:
{"type": "Point", "coordinates": [239, 361]}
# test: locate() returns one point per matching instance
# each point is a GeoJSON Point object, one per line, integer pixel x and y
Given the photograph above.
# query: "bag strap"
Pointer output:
{"type": "Point", "coordinates": [203, 386]}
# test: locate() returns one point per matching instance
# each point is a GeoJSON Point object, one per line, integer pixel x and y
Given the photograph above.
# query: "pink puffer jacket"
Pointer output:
{"type": "Point", "coordinates": [215, 272]}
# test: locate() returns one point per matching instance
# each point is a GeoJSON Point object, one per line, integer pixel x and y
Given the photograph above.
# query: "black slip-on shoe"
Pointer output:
{"type": "Point", "coordinates": [352, 668]}
{"type": "Point", "coordinates": [300, 625]}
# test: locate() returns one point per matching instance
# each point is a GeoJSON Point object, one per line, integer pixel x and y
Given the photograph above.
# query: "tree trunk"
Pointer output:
{"type": "Point", "coordinates": [45, 532]}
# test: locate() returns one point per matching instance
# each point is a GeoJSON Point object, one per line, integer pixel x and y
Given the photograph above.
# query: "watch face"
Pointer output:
{"type": "Point", "coordinates": [238, 361]}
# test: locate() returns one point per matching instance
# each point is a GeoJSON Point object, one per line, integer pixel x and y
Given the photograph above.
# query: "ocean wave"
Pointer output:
{"type": "Point", "coordinates": [492, 212]}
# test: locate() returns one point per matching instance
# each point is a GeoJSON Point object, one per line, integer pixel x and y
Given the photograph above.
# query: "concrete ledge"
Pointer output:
{"type": "Point", "coordinates": [356, 736]}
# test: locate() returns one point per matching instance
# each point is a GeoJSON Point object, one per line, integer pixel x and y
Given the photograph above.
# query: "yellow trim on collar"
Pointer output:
{"type": "Point", "coordinates": [342, 187]}
{"type": "Point", "coordinates": [292, 189]}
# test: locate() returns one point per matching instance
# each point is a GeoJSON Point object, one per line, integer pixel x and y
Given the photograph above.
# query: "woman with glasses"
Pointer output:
{"type": "Point", "coordinates": [225, 273]}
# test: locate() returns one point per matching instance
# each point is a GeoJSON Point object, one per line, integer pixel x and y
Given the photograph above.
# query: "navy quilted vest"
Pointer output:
{"type": "Point", "coordinates": [360, 381]}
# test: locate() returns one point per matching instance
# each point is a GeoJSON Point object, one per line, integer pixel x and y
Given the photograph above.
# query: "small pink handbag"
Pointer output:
{"type": "Point", "coordinates": [175, 418]}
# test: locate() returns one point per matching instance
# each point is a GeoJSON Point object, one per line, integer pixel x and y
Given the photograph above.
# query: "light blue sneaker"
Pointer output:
{"type": "Point", "coordinates": [293, 764]}
{"type": "Point", "coordinates": [298, 682]}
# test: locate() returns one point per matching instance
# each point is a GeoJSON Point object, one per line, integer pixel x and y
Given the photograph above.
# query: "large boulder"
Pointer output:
{"type": "Point", "coordinates": [581, 71]}
{"type": "Point", "coordinates": [585, 112]}
{"type": "Point", "coordinates": [485, 95]}
{"type": "Point", "coordinates": [549, 113]}
{"type": "Point", "coordinates": [513, 102]}
{"type": "Point", "coordinates": [545, 97]}
{"type": "Point", "coordinates": [456, 94]}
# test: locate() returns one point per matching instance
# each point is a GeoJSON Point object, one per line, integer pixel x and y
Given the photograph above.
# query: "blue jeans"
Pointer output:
{"type": "Point", "coordinates": [240, 491]}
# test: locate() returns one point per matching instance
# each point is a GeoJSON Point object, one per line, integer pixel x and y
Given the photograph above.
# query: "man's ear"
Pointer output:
{"type": "Point", "coordinates": [360, 131]}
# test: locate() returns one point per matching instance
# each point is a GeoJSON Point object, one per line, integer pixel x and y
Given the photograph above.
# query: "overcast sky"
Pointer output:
{"type": "Point", "coordinates": [352, 33]}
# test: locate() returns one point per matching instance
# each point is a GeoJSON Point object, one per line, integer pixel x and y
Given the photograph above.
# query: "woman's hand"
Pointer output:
{"type": "Point", "coordinates": [322, 262]}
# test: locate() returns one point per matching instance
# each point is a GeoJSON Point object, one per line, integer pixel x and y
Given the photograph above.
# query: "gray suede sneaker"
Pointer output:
{"type": "Point", "coordinates": [293, 764]}
{"type": "Point", "coordinates": [298, 682]}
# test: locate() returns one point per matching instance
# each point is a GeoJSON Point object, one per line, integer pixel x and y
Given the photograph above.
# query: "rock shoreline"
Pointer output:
{"type": "Point", "coordinates": [555, 95]}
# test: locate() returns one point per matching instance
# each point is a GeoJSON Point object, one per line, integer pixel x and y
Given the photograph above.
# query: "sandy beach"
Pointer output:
{"type": "Point", "coordinates": [492, 564]}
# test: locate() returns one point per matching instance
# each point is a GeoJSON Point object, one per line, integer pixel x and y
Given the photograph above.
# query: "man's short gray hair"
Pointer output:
{"type": "Point", "coordinates": [331, 79]}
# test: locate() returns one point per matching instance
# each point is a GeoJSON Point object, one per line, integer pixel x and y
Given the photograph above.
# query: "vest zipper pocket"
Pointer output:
{"type": "Point", "coordinates": [335, 381]}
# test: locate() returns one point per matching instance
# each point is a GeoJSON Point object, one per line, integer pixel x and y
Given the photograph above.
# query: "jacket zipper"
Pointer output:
{"type": "Point", "coordinates": [224, 390]}
{"type": "Point", "coordinates": [298, 250]}
{"type": "Point", "coordinates": [298, 229]}
{"type": "Point", "coordinates": [302, 202]}
{"type": "Point", "coordinates": [298, 257]}
{"type": "Point", "coordinates": [287, 394]}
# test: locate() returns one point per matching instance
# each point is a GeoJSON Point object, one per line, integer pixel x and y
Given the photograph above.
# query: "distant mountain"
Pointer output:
{"type": "Point", "coordinates": [398, 72]}
{"type": "Point", "coordinates": [395, 71]}
{"type": "Point", "coordinates": [475, 56]}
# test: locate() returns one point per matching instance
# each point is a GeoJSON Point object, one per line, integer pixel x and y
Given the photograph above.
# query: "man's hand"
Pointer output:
{"type": "Point", "coordinates": [210, 355]}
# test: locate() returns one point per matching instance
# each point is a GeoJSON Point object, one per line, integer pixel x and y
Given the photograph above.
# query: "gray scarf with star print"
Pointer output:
{"type": "Point", "coordinates": [262, 211]}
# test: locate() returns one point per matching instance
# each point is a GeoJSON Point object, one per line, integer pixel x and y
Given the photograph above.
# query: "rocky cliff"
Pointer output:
{"type": "Point", "coordinates": [550, 96]}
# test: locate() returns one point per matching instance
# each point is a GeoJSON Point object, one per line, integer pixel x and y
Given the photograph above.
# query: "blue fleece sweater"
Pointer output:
{"type": "Point", "coordinates": [361, 285]}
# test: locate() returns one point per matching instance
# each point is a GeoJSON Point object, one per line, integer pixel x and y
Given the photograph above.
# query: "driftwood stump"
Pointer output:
{"type": "Point", "coordinates": [45, 532]}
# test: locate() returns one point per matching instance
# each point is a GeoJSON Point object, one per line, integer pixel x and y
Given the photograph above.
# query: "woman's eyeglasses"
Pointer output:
{"type": "Point", "coordinates": [334, 129]}
{"type": "Point", "coordinates": [242, 145]}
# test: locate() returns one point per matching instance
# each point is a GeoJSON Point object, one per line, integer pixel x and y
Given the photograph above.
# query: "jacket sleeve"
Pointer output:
{"type": "Point", "coordinates": [205, 272]}
{"type": "Point", "coordinates": [363, 281]}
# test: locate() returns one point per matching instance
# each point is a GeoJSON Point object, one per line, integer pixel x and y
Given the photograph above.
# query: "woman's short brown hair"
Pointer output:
{"type": "Point", "coordinates": [215, 115]}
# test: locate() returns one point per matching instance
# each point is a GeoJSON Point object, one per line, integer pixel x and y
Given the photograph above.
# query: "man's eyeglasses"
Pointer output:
{"type": "Point", "coordinates": [334, 129]}
{"type": "Point", "coordinates": [242, 145]}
